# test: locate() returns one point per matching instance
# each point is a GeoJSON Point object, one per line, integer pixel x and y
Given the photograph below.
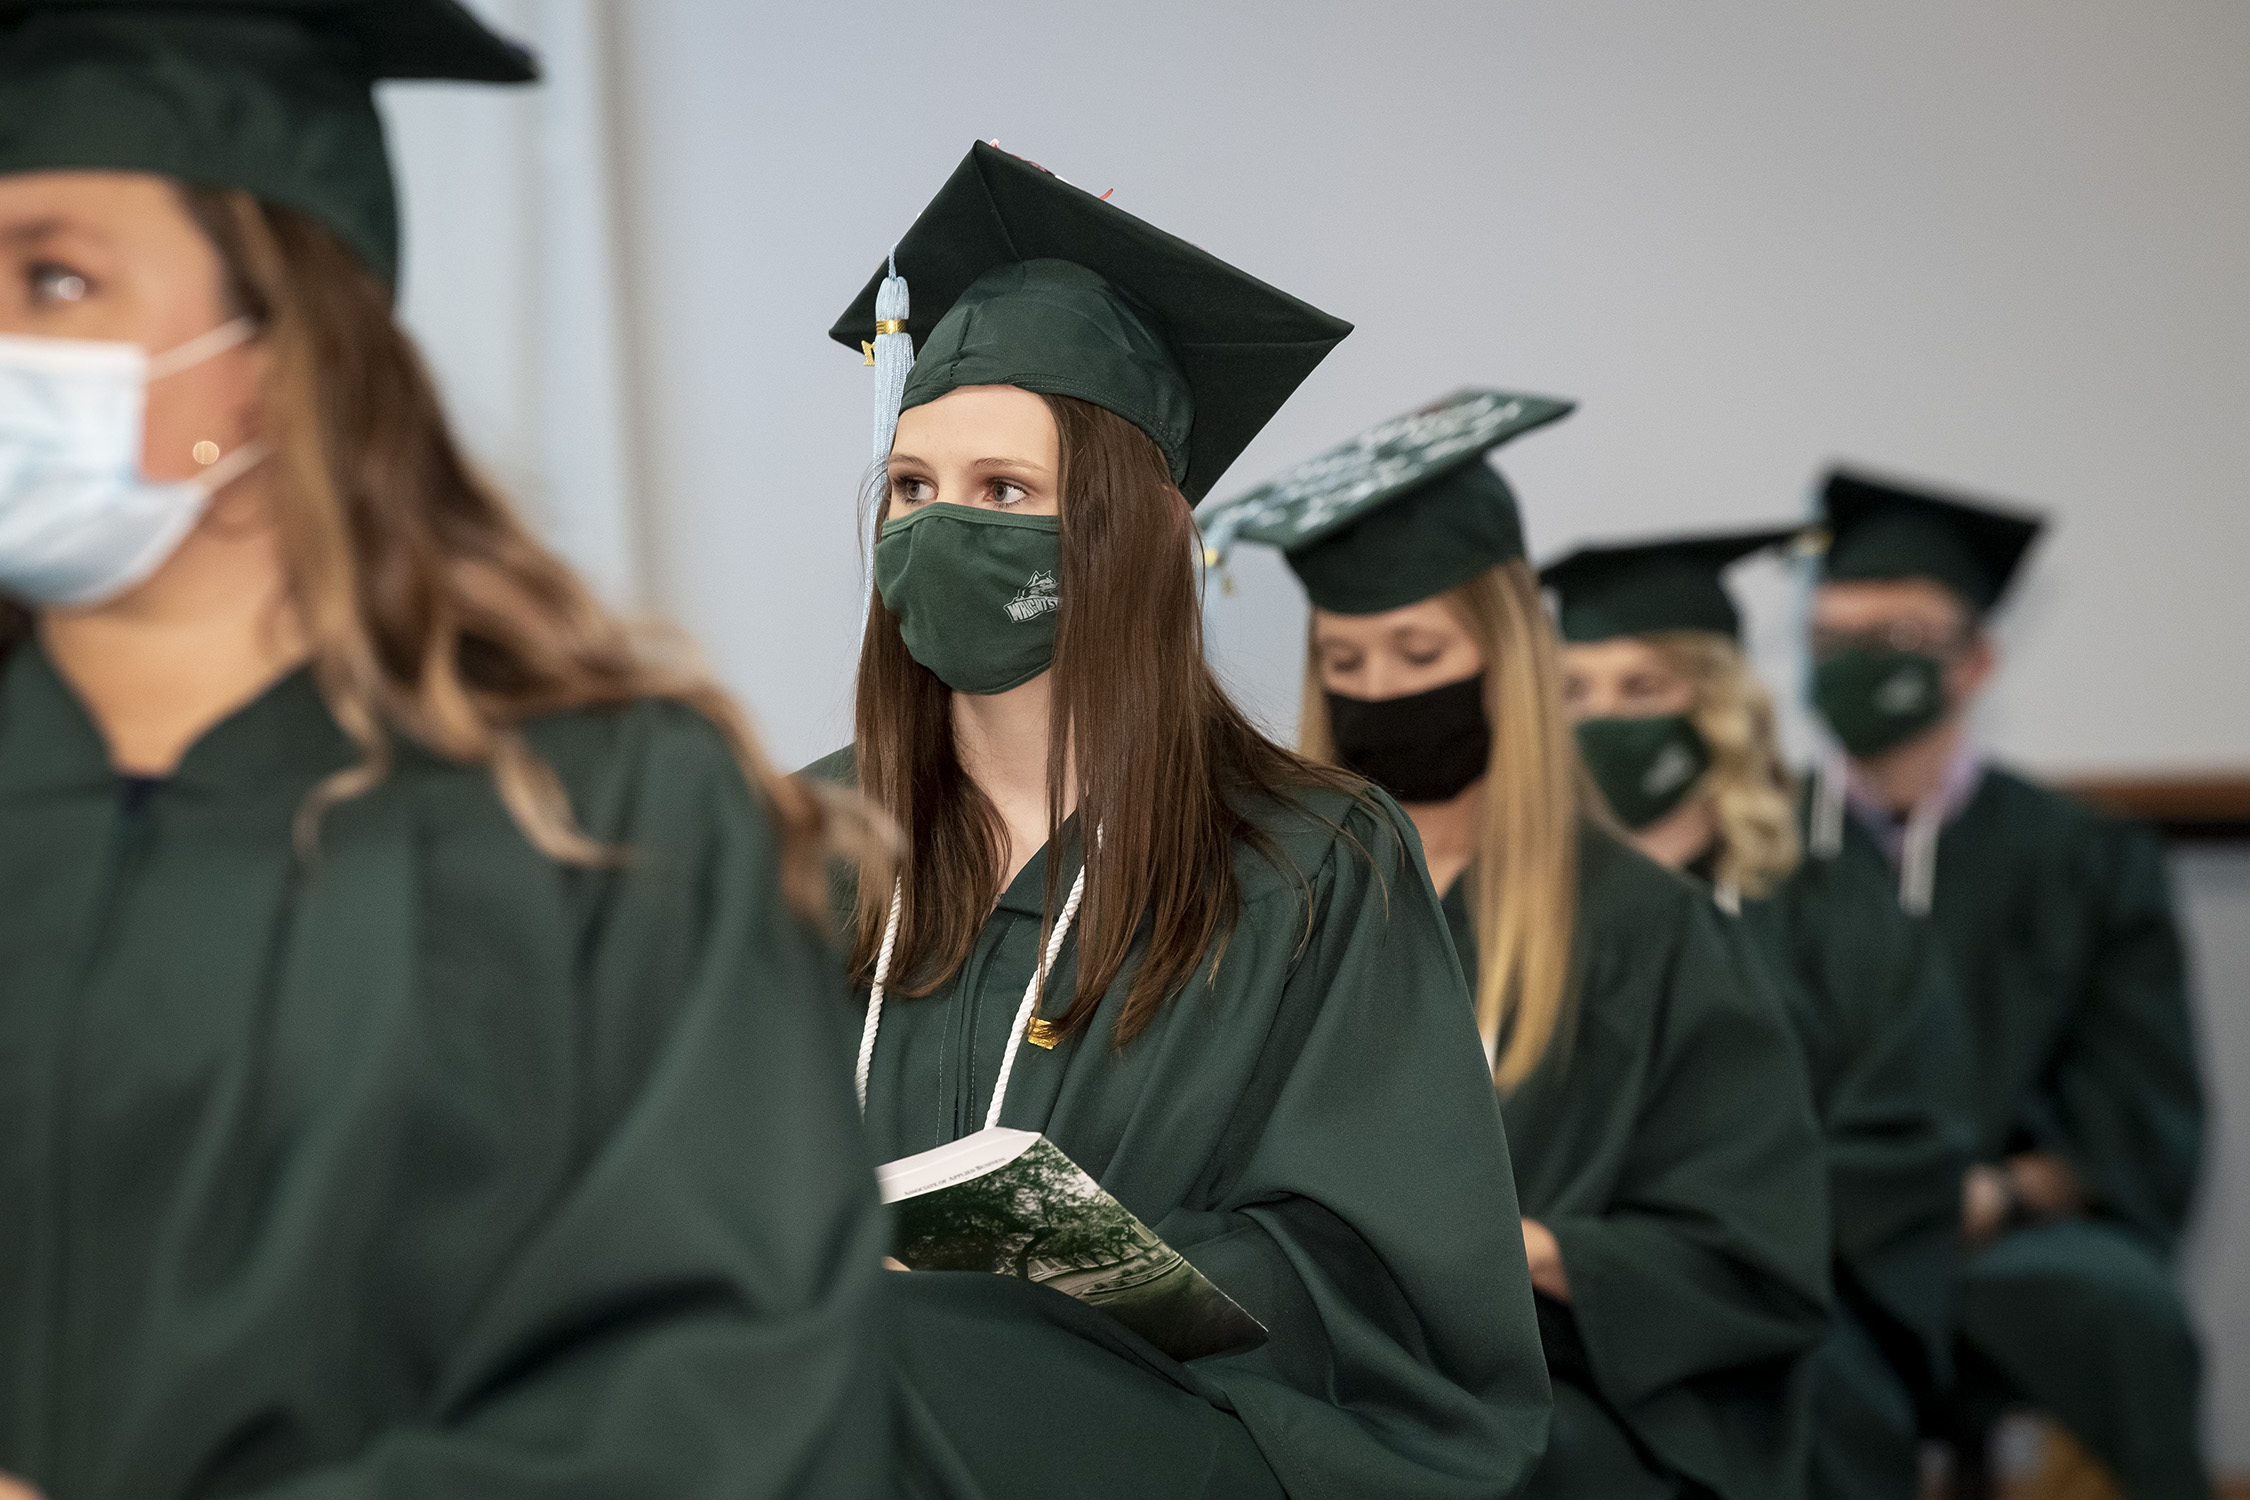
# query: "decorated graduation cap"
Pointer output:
{"type": "Point", "coordinates": [275, 97]}
{"type": "Point", "coordinates": [1879, 529]}
{"type": "Point", "coordinates": [1667, 583]}
{"type": "Point", "coordinates": [1018, 278]}
{"type": "Point", "coordinates": [1405, 510]}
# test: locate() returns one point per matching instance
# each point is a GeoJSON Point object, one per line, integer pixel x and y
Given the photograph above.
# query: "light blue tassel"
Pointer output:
{"type": "Point", "coordinates": [894, 356]}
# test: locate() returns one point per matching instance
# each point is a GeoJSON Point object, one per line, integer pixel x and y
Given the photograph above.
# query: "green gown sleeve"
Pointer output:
{"type": "Point", "coordinates": [2122, 1100]}
{"type": "Point", "coordinates": [1367, 1212]}
{"type": "Point", "coordinates": [688, 1314]}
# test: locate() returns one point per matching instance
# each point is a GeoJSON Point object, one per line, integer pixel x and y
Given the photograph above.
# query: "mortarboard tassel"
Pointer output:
{"type": "Point", "coordinates": [893, 357]}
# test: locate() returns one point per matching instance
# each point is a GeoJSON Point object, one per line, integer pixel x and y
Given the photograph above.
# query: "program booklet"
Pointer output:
{"type": "Point", "coordinates": [1010, 1201]}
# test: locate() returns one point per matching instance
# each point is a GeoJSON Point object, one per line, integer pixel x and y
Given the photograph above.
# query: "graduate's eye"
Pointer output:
{"type": "Point", "coordinates": [1341, 663]}
{"type": "Point", "coordinates": [1006, 492]}
{"type": "Point", "coordinates": [911, 489]}
{"type": "Point", "coordinates": [1424, 658]}
{"type": "Point", "coordinates": [52, 284]}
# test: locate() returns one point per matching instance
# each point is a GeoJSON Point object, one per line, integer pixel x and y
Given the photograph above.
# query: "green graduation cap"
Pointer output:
{"type": "Point", "coordinates": [275, 97]}
{"type": "Point", "coordinates": [1021, 279]}
{"type": "Point", "coordinates": [1667, 583]}
{"type": "Point", "coordinates": [1880, 529]}
{"type": "Point", "coordinates": [1405, 510]}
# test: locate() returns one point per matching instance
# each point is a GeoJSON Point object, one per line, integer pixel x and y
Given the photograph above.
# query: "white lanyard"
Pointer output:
{"type": "Point", "coordinates": [1023, 1012]}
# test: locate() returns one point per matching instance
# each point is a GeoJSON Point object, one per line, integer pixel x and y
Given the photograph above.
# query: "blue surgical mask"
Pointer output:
{"type": "Point", "coordinates": [79, 524]}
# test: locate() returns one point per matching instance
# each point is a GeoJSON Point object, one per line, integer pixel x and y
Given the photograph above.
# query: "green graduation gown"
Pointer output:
{"type": "Point", "coordinates": [426, 1167]}
{"type": "Point", "coordinates": [1314, 1130]}
{"type": "Point", "coordinates": [1867, 989]}
{"type": "Point", "coordinates": [2058, 922]}
{"type": "Point", "coordinates": [1668, 1142]}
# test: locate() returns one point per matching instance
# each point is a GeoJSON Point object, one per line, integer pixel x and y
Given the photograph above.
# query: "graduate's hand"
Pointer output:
{"type": "Point", "coordinates": [1986, 1199]}
{"type": "Point", "coordinates": [1545, 1259]}
{"type": "Point", "coordinates": [2046, 1186]}
{"type": "Point", "coordinates": [16, 1489]}
{"type": "Point", "coordinates": [890, 1263]}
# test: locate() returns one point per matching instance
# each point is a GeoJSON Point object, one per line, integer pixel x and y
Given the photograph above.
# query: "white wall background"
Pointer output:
{"type": "Point", "coordinates": [2004, 245]}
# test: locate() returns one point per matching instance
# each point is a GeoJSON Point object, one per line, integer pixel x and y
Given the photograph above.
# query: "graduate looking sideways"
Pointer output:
{"type": "Point", "coordinates": [1679, 737]}
{"type": "Point", "coordinates": [2066, 956]}
{"type": "Point", "coordinates": [418, 1061]}
{"type": "Point", "coordinates": [1671, 1180]}
{"type": "Point", "coordinates": [1210, 972]}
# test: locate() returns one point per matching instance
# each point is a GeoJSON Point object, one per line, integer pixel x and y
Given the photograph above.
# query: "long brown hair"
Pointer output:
{"type": "Point", "coordinates": [1753, 797]}
{"type": "Point", "coordinates": [1525, 892]}
{"type": "Point", "coordinates": [429, 609]}
{"type": "Point", "coordinates": [1163, 763]}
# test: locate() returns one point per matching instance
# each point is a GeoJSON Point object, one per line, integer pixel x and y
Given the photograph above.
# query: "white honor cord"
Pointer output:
{"type": "Point", "coordinates": [1031, 991]}
{"type": "Point", "coordinates": [1024, 1011]}
{"type": "Point", "coordinates": [875, 995]}
{"type": "Point", "coordinates": [1917, 855]}
{"type": "Point", "coordinates": [1828, 807]}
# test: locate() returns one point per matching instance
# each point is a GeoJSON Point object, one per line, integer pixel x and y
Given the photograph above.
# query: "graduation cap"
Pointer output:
{"type": "Point", "coordinates": [1021, 279]}
{"type": "Point", "coordinates": [1879, 529]}
{"type": "Point", "coordinates": [1667, 583]}
{"type": "Point", "coordinates": [1405, 510]}
{"type": "Point", "coordinates": [275, 97]}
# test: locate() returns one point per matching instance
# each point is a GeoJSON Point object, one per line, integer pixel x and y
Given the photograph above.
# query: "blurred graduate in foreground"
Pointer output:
{"type": "Point", "coordinates": [418, 1065]}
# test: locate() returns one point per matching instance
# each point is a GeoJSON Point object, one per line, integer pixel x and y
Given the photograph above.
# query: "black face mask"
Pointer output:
{"type": "Point", "coordinates": [1425, 747]}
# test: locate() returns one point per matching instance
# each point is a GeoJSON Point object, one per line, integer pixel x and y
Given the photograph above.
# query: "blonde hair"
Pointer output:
{"type": "Point", "coordinates": [1752, 794]}
{"type": "Point", "coordinates": [1525, 896]}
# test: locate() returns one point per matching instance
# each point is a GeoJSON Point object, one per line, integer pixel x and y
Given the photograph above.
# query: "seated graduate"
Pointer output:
{"type": "Point", "coordinates": [2066, 956]}
{"type": "Point", "coordinates": [1663, 1143]}
{"type": "Point", "coordinates": [1210, 972]}
{"type": "Point", "coordinates": [418, 1036]}
{"type": "Point", "coordinates": [1679, 736]}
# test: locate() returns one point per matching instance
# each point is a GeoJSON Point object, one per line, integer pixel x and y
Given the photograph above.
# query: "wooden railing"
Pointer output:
{"type": "Point", "coordinates": [2213, 806]}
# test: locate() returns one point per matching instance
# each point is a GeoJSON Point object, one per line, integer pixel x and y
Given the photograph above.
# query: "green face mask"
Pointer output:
{"type": "Point", "coordinates": [1874, 699]}
{"type": "Point", "coordinates": [974, 592]}
{"type": "Point", "coordinates": [1645, 767]}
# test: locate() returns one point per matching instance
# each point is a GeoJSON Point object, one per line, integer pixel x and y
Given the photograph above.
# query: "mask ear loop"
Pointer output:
{"type": "Point", "coordinates": [202, 347]}
{"type": "Point", "coordinates": [230, 468]}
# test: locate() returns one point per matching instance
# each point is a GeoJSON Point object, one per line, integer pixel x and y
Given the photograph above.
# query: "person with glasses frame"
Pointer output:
{"type": "Point", "coordinates": [2059, 925]}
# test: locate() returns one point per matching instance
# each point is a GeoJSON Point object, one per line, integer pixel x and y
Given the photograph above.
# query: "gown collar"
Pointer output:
{"type": "Point", "coordinates": [1026, 895]}
{"type": "Point", "coordinates": [283, 738]}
